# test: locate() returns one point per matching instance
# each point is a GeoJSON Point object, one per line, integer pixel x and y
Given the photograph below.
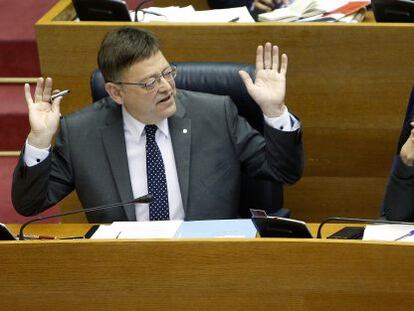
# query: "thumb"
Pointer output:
{"type": "Point", "coordinates": [247, 80]}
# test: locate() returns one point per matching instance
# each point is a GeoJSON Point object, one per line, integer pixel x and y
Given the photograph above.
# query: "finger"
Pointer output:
{"type": "Point", "coordinates": [247, 80]}
{"type": "Point", "coordinates": [39, 90]}
{"type": "Point", "coordinates": [47, 90]}
{"type": "Point", "coordinates": [412, 124]}
{"type": "Point", "coordinates": [263, 8]}
{"type": "Point", "coordinates": [284, 64]}
{"type": "Point", "coordinates": [268, 3]}
{"type": "Point", "coordinates": [275, 57]}
{"type": "Point", "coordinates": [56, 105]}
{"type": "Point", "coordinates": [259, 58]}
{"type": "Point", "coordinates": [27, 94]}
{"type": "Point", "coordinates": [267, 56]}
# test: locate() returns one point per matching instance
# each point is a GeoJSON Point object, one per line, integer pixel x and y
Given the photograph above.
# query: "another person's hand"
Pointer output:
{"type": "Point", "coordinates": [269, 5]}
{"type": "Point", "coordinates": [269, 88]}
{"type": "Point", "coordinates": [407, 150]}
{"type": "Point", "coordinates": [43, 115]}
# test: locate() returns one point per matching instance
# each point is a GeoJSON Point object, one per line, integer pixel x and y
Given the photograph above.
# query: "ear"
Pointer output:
{"type": "Point", "coordinates": [115, 92]}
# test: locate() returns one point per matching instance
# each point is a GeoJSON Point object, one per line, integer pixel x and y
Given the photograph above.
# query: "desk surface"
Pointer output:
{"type": "Point", "coordinates": [62, 230]}
{"type": "Point", "coordinates": [230, 274]}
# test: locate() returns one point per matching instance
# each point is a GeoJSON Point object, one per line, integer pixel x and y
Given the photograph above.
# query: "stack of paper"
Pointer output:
{"type": "Point", "coordinates": [298, 9]}
{"type": "Point", "coordinates": [316, 10]}
{"type": "Point", "coordinates": [352, 12]}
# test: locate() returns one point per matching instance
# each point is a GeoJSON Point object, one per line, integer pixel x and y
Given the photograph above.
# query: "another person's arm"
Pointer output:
{"type": "Point", "coordinates": [399, 195]}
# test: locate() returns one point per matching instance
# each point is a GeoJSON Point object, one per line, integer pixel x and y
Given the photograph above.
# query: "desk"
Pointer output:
{"type": "Point", "coordinates": [211, 274]}
{"type": "Point", "coordinates": [349, 83]}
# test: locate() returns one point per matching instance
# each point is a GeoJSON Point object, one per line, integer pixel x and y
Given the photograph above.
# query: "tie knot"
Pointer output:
{"type": "Point", "coordinates": [150, 131]}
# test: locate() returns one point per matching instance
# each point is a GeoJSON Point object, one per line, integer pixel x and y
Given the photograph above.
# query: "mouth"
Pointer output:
{"type": "Point", "coordinates": [166, 99]}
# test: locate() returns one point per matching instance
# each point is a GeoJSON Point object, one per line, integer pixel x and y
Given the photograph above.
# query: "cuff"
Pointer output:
{"type": "Point", "coordinates": [33, 155]}
{"type": "Point", "coordinates": [285, 122]}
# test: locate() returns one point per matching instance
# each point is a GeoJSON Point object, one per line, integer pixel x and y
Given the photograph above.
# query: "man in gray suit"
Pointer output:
{"type": "Point", "coordinates": [185, 148]}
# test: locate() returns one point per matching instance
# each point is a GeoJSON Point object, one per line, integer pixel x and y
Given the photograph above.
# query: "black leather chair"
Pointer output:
{"type": "Point", "coordinates": [405, 133]}
{"type": "Point", "coordinates": [223, 79]}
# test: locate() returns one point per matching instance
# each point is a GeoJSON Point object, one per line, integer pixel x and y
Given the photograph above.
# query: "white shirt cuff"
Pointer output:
{"type": "Point", "coordinates": [286, 122]}
{"type": "Point", "coordinates": [33, 155]}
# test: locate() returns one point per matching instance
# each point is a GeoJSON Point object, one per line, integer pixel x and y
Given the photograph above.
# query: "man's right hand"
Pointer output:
{"type": "Point", "coordinates": [407, 150]}
{"type": "Point", "coordinates": [43, 115]}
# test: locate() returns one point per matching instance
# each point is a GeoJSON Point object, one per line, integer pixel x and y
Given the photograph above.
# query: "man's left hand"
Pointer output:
{"type": "Point", "coordinates": [269, 88]}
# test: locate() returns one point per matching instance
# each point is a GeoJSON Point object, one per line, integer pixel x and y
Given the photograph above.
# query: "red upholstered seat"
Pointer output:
{"type": "Point", "coordinates": [18, 49]}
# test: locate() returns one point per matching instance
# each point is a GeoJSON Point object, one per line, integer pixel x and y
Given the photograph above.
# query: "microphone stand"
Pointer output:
{"type": "Point", "coordinates": [143, 199]}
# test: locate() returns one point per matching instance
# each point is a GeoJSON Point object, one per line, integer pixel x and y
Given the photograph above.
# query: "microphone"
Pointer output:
{"type": "Point", "coordinates": [358, 221]}
{"type": "Point", "coordinates": [148, 198]}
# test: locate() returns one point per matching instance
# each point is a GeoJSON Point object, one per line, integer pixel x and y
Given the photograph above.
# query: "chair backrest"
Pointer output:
{"type": "Point", "coordinates": [223, 79]}
{"type": "Point", "coordinates": [405, 133]}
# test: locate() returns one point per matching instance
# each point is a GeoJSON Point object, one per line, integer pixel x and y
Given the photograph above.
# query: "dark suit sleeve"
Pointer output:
{"type": "Point", "coordinates": [398, 201]}
{"type": "Point", "coordinates": [277, 156]}
{"type": "Point", "coordinates": [39, 187]}
{"type": "Point", "coordinates": [399, 195]}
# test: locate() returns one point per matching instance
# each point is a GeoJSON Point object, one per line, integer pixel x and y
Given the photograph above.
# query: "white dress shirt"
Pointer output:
{"type": "Point", "coordinates": [135, 140]}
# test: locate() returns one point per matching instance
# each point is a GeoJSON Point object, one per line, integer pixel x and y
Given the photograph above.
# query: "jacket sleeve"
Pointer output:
{"type": "Point", "coordinates": [37, 188]}
{"type": "Point", "coordinates": [277, 156]}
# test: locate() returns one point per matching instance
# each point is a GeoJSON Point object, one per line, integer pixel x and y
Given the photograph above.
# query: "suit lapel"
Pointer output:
{"type": "Point", "coordinates": [180, 130]}
{"type": "Point", "coordinates": [114, 143]}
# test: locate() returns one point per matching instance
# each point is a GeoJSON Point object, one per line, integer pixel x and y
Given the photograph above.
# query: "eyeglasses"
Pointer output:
{"type": "Point", "coordinates": [168, 74]}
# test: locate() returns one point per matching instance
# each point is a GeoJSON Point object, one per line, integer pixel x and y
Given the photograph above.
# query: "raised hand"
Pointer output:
{"type": "Point", "coordinates": [43, 115]}
{"type": "Point", "coordinates": [407, 150]}
{"type": "Point", "coordinates": [269, 88]}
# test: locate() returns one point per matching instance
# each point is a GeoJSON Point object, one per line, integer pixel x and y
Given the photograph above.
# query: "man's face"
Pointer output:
{"type": "Point", "coordinates": [148, 106]}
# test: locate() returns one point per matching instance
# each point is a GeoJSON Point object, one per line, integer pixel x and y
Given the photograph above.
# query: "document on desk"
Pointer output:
{"type": "Point", "coordinates": [226, 228]}
{"type": "Point", "coordinates": [400, 233]}
{"type": "Point", "coordinates": [189, 15]}
{"type": "Point", "coordinates": [138, 230]}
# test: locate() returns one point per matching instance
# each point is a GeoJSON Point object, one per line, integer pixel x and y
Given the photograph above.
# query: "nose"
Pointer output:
{"type": "Point", "coordinates": [164, 84]}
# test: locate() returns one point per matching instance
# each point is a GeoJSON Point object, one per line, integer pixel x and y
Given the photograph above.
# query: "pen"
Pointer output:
{"type": "Point", "coordinates": [62, 93]}
{"type": "Point", "coordinates": [72, 237]}
{"type": "Point", "coordinates": [405, 235]}
{"type": "Point", "coordinates": [48, 237]}
{"type": "Point", "coordinates": [234, 20]}
{"type": "Point", "coordinates": [39, 237]}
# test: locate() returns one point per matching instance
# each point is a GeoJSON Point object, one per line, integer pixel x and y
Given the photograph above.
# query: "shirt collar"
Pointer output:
{"type": "Point", "coordinates": [137, 128]}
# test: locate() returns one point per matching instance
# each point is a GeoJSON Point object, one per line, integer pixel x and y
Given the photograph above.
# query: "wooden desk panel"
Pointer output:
{"type": "Point", "coordinates": [349, 83]}
{"type": "Point", "coordinates": [212, 274]}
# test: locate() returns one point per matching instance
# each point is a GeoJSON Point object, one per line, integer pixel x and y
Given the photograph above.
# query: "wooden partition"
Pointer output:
{"type": "Point", "coordinates": [349, 83]}
{"type": "Point", "coordinates": [215, 274]}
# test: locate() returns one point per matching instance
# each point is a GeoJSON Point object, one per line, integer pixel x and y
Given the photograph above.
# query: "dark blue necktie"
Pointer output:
{"type": "Point", "coordinates": [157, 183]}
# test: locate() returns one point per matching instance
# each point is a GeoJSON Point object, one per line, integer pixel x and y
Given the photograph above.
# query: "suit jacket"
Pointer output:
{"type": "Point", "coordinates": [90, 156]}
